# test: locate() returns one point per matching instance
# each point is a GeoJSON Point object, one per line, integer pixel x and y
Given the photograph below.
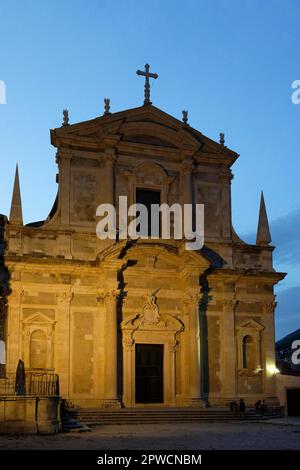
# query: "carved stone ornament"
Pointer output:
{"type": "Point", "coordinates": [65, 297]}
{"type": "Point", "coordinates": [127, 344]}
{"type": "Point", "coordinates": [100, 298]}
{"type": "Point", "coordinates": [269, 307]}
{"type": "Point", "coordinates": [192, 298]}
{"type": "Point", "coordinates": [103, 296]}
{"type": "Point", "coordinates": [151, 310]}
{"type": "Point", "coordinates": [65, 118]}
{"type": "Point", "coordinates": [187, 165]}
{"type": "Point", "coordinates": [250, 372]}
{"type": "Point", "coordinates": [229, 303]}
{"type": "Point", "coordinates": [150, 261]}
{"type": "Point", "coordinates": [150, 319]}
{"type": "Point", "coordinates": [106, 106]}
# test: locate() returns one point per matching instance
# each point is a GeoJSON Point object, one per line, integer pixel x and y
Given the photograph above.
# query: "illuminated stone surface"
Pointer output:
{"type": "Point", "coordinates": [81, 302]}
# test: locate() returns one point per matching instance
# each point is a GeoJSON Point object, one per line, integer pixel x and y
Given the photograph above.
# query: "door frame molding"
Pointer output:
{"type": "Point", "coordinates": [135, 330]}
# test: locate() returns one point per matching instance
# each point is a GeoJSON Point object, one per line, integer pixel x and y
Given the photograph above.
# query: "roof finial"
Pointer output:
{"type": "Point", "coordinates": [106, 106]}
{"type": "Point", "coordinates": [65, 118]}
{"type": "Point", "coordinates": [185, 116]}
{"type": "Point", "coordinates": [263, 230]}
{"type": "Point", "coordinates": [147, 75]}
{"type": "Point", "coordinates": [16, 215]}
{"type": "Point", "coordinates": [222, 138]}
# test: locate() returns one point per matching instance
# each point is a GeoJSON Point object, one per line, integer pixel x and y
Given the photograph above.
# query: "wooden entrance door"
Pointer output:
{"type": "Point", "coordinates": [149, 373]}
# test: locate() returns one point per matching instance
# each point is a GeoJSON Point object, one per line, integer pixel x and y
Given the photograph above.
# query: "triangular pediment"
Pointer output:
{"type": "Point", "coordinates": [38, 318]}
{"type": "Point", "coordinates": [252, 325]}
{"type": "Point", "coordinates": [146, 125]}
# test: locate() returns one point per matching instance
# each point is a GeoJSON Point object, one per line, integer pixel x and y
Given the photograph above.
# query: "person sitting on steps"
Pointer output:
{"type": "Point", "coordinates": [242, 408]}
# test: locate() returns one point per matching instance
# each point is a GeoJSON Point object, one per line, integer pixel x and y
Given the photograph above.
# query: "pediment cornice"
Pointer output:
{"type": "Point", "coordinates": [139, 126]}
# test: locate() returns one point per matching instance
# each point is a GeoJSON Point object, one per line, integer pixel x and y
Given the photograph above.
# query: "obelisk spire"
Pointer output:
{"type": "Point", "coordinates": [16, 216]}
{"type": "Point", "coordinates": [263, 236]}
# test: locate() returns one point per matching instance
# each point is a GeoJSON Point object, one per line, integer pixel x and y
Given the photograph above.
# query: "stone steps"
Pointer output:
{"type": "Point", "coordinates": [94, 417]}
{"type": "Point", "coordinates": [73, 425]}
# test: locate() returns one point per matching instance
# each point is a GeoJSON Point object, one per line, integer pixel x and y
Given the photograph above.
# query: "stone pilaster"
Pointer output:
{"type": "Point", "coordinates": [269, 348]}
{"type": "Point", "coordinates": [186, 181]}
{"type": "Point", "coordinates": [109, 162]}
{"type": "Point", "coordinates": [3, 317]}
{"type": "Point", "coordinates": [108, 191]}
{"type": "Point", "coordinates": [228, 363]}
{"type": "Point", "coordinates": [111, 350]}
{"type": "Point", "coordinates": [185, 355]}
{"type": "Point", "coordinates": [191, 308]}
{"type": "Point", "coordinates": [63, 158]}
{"type": "Point", "coordinates": [14, 334]}
{"type": "Point", "coordinates": [63, 338]}
{"type": "Point", "coordinates": [128, 371]}
{"type": "Point", "coordinates": [226, 177]}
{"type": "Point", "coordinates": [99, 344]}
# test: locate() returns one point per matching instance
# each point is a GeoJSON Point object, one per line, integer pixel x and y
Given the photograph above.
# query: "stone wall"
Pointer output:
{"type": "Point", "coordinates": [29, 415]}
{"type": "Point", "coordinates": [282, 383]}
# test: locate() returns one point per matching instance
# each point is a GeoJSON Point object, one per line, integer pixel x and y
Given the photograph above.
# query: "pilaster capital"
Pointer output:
{"type": "Point", "coordinates": [64, 298]}
{"type": "Point", "coordinates": [15, 298]}
{"type": "Point", "coordinates": [187, 166]}
{"type": "Point", "coordinates": [109, 157]}
{"type": "Point", "coordinates": [173, 345]}
{"type": "Point", "coordinates": [128, 344]}
{"type": "Point", "coordinates": [226, 175]}
{"type": "Point", "coordinates": [112, 296]}
{"type": "Point", "coordinates": [192, 298]}
{"type": "Point", "coordinates": [269, 307]}
{"type": "Point", "coordinates": [229, 304]}
{"type": "Point", "coordinates": [127, 174]}
{"type": "Point", "coordinates": [63, 156]}
{"type": "Point", "coordinates": [100, 296]}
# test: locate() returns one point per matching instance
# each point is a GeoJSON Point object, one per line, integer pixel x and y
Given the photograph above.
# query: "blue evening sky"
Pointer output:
{"type": "Point", "coordinates": [230, 63]}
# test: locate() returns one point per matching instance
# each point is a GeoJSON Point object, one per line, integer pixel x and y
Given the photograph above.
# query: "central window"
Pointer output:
{"type": "Point", "coordinates": [147, 197]}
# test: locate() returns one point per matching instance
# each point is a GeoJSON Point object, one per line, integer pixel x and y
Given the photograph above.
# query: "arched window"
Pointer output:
{"type": "Point", "coordinates": [38, 350]}
{"type": "Point", "coordinates": [249, 353]}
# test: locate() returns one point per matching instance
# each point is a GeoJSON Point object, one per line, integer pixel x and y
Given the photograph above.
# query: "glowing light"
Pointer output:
{"type": "Point", "coordinates": [272, 369]}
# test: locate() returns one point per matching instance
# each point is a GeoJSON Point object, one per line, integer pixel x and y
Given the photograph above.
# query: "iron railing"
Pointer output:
{"type": "Point", "coordinates": [36, 383]}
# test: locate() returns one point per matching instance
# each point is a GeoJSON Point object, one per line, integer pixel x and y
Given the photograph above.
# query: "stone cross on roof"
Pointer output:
{"type": "Point", "coordinates": [147, 75]}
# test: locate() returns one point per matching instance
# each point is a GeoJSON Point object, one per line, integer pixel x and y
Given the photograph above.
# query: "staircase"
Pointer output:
{"type": "Point", "coordinates": [95, 417]}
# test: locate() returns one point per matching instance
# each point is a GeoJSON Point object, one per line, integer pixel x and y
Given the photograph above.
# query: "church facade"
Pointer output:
{"type": "Point", "coordinates": [141, 322]}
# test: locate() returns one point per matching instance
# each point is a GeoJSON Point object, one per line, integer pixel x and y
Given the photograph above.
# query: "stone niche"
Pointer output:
{"type": "Point", "coordinates": [38, 341]}
{"type": "Point", "coordinates": [249, 357]}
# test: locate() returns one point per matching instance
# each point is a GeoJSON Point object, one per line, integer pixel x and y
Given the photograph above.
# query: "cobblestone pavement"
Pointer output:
{"type": "Point", "coordinates": [202, 436]}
